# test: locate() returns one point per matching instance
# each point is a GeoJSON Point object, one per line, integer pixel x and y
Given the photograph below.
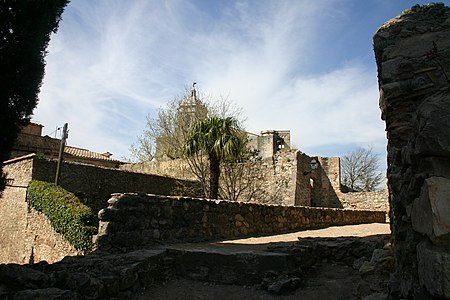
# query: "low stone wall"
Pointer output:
{"type": "Point", "coordinates": [365, 200]}
{"type": "Point", "coordinates": [136, 220]}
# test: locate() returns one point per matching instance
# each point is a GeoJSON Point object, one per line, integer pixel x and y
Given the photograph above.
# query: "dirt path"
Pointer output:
{"type": "Point", "coordinates": [334, 231]}
{"type": "Point", "coordinates": [325, 280]}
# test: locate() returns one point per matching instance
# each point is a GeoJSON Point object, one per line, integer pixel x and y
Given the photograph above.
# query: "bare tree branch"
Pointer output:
{"type": "Point", "coordinates": [359, 170]}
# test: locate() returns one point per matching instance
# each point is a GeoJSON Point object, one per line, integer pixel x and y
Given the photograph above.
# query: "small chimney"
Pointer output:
{"type": "Point", "coordinates": [33, 129]}
{"type": "Point", "coordinates": [107, 154]}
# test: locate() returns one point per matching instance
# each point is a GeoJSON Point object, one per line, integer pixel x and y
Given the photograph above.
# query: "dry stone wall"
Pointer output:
{"type": "Point", "coordinates": [413, 59]}
{"type": "Point", "coordinates": [138, 220]}
{"type": "Point", "coordinates": [365, 200]}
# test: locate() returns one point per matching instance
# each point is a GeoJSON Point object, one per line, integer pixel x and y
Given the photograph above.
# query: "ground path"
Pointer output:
{"type": "Point", "coordinates": [325, 280]}
{"type": "Point", "coordinates": [360, 230]}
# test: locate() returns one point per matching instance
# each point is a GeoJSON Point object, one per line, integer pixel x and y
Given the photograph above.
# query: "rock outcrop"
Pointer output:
{"type": "Point", "coordinates": [413, 59]}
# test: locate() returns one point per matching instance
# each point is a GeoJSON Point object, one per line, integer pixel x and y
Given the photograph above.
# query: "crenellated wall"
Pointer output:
{"type": "Point", "coordinates": [136, 220]}
{"type": "Point", "coordinates": [413, 59]}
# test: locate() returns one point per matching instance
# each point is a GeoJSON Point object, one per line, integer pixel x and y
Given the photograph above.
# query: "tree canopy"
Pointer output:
{"type": "Point", "coordinates": [218, 138]}
{"type": "Point", "coordinates": [164, 138]}
{"type": "Point", "coordinates": [165, 134]}
{"type": "Point", "coordinates": [25, 29]}
{"type": "Point", "coordinates": [360, 171]}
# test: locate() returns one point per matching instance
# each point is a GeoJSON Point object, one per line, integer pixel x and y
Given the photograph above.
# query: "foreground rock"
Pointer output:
{"type": "Point", "coordinates": [278, 269]}
{"type": "Point", "coordinates": [413, 59]}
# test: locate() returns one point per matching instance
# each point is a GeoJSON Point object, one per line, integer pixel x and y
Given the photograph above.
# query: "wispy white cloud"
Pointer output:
{"type": "Point", "coordinates": [112, 62]}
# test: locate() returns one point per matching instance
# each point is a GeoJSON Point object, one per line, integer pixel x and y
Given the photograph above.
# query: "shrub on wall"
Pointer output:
{"type": "Point", "coordinates": [66, 213]}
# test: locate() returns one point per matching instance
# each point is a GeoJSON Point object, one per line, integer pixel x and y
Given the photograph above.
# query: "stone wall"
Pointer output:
{"type": "Point", "coordinates": [27, 143]}
{"type": "Point", "coordinates": [286, 178]}
{"type": "Point", "coordinates": [94, 185]}
{"type": "Point", "coordinates": [365, 200]}
{"type": "Point", "coordinates": [26, 236]}
{"type": "Point", "coordinates": [325, 182]}
{"type": "Point", "coordinates": [138, 220]}
{"type": "Point", "coordinates": [413, 59]}
{"type": "Point", "coordinates": [176, 168]}
{"type": "Point", "coordinates": [276, 181]}
{"type": "Point", "coordinates": [278, 184]}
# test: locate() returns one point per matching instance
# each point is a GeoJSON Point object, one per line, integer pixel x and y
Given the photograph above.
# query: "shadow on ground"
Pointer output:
{"type": "Point", "coordinates": [309, 268]}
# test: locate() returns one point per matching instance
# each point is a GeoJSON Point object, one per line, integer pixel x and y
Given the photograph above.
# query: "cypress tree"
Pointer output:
{"type": "Point", "coordinates": [25, 29]}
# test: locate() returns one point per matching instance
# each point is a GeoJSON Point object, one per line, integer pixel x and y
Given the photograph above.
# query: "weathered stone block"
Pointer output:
{"type": "Point", "coordinates": [433, 269]}
{"type": "Point", "coordinates": [431, 211]}
{"type": "Point", "coordinates": [434, 121]}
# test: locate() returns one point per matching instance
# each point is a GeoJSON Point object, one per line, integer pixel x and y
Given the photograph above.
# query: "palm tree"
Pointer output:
{"type": "Point", "coordinates": [219, 138]}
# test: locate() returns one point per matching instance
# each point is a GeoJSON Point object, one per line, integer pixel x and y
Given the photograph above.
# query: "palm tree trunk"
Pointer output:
{"type": "Point", "coordinates": [214, 174]}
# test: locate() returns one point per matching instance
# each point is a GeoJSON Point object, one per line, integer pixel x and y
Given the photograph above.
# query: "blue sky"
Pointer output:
{"type": "Point", "coordinates": [307, 66]}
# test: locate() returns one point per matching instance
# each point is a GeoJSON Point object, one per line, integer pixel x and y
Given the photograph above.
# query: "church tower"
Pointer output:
{"type": "Point", "coordinates": [191, 110]}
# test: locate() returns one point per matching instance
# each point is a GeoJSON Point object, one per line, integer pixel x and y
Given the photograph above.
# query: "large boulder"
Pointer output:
{"type": "Point", "coordinates": [431, 211]}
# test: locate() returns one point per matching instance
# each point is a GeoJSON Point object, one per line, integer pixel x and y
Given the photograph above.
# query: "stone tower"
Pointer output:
{"type": "Point", "coordinates": [190, 110]}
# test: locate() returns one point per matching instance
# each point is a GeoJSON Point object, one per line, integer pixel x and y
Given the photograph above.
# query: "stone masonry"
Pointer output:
{"type": "Point", "coordinates": [26, 236]}
{"type": "Point", "coordinates": [134, 221]}
{"type": "Point", "coordinates": [289, 177]}
{"type": "Point", "coordinates": [413, 59]}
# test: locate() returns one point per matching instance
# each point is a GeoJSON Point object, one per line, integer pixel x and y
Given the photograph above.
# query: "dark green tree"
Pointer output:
{"type": "Point", "coordinates": [218, 138]}
{"type": "Point", "coordinates": [25, 29]}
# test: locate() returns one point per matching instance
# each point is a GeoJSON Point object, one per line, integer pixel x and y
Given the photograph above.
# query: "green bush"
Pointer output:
{"type": "Point", "coordinates": [68, 216]}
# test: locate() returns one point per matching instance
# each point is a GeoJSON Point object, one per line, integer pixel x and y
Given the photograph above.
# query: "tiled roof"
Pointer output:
{"type": "Point", "coordinates": [84, 153]}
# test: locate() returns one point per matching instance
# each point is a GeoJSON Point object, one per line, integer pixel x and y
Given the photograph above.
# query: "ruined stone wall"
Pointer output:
{"type": "Point", "coordinates": [286, 178]}
{"type": "Point", "coordinates": [365, 200]}
{"type": "Point", "coordinates": [13, 208]}
{"type": "Point", "coordinates": [325, 182]}
{"type": "Point", "coordinates": [413, 59]}
{"type": "Point", "coordinates": [303, 180]}
{"type": "Point", "coordinates": [276, 183]}
{"type": "Point", "coordinates": [133, 220]}
{"type": "Point", "coordinates": [279, 181]}
{"type": "Point", "coordinates": [26, 235]}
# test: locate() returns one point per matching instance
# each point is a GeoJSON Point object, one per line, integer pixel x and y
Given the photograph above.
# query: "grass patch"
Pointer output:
{"type": "Point", "coordinates": [68, 216]}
